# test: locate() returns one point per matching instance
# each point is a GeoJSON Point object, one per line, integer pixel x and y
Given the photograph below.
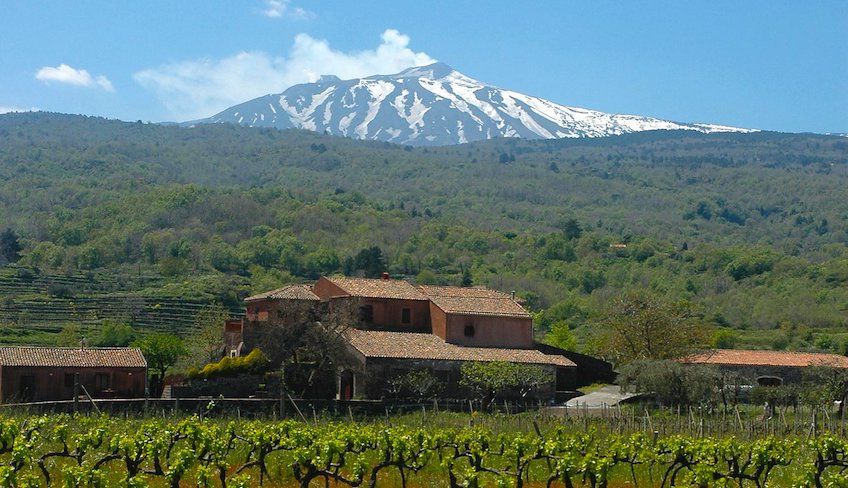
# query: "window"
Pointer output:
{"type": "Point", "coordinates": [366, 313]}
{"type": "Point", "coordinates": [405, 316]}
{"type": "Point", "coordinates": [101, 381]}
{"type": "Point", "coordinates": [469, 330]}
{"type": "Point", "coordinates": [69, 380]}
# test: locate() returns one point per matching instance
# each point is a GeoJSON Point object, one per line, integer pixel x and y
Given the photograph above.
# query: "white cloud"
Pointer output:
{"type": "Point", "coordinates": [283, 8]}
{"type": "Point", "coordinates": [72, 76]}
{"type": "Point", "coordinates": [7, 109]}
{"type": "Point", "coordinates": [200, 88]}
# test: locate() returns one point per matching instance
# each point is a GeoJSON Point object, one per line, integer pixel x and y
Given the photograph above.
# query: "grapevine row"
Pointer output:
{"type": "Point", "coordinates": [101, 451]}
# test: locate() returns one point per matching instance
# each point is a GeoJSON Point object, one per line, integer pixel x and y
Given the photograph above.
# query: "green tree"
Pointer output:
{"type": "Point", "coordinates": [724, 339]}
{"type": "Point", "coordinates": [10, 247]}
{"type": "Point", "coordinates": [162, 351]}
{"type": "Point", "coordinates": [114, 334]}
{"type": "Point", "coordinates": [824, 385]}
{"type": "Point", "coordinates": [561, 336]}
{"type": "Point", "coordinates": [69, 336]}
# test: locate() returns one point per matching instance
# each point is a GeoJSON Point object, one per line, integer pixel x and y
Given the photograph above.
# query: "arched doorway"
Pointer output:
{"type": "Point", "coordinates": [769, 380]}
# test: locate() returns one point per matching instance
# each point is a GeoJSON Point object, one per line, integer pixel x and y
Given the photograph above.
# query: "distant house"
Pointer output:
{"type": "Point", "coordinates": [766, 367]}
{"type": "Point", "coordinates": [50, 373]}
{"type": "Point", "coordinates": [400, 327]}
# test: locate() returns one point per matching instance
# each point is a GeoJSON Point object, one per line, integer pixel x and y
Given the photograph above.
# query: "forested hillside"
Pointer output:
{"type": "Point", "coordinates": [751, 228]}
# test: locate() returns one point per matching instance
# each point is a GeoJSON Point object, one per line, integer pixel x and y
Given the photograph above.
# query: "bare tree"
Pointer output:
{"type": "Point", "coordinates": [306, 340]}
{"type": "Point", "coordinates": [645, 326]}
{"type": "Point", "coordinates": [207, 342]}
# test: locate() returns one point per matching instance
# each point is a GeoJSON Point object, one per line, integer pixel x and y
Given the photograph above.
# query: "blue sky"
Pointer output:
{"type": "Point", "coordinates": [774, 65]}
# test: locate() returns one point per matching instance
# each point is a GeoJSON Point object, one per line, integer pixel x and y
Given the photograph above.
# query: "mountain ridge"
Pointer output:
{"type": "Point", "coordinates": [432, 105]}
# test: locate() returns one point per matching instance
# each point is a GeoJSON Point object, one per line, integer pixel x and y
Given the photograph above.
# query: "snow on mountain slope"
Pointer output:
{"type": "Point", "coordinates": [432, 105]}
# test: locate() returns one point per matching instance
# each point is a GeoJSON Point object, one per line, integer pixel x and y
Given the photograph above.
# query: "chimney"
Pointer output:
{"type": "Point", "coordinates": [513, 294]}
{"type": "Point", "coordinates": [384, 276]}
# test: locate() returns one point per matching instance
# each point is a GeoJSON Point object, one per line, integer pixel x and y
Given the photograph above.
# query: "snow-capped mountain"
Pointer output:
{"type": "Point", "coordinates": [431, 105]}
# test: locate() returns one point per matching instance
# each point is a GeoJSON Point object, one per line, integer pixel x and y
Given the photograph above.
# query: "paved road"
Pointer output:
{"type": "Point", "coordinates": [608, 395]}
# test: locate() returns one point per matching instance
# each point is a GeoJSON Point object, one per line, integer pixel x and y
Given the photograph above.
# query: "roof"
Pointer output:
{"type": "Point", "coordinates": [410, 345]}
{"type": "Point", "coordinates": [474, 301]}
{"type": "Point", "coordinates": [289, 292]}
{"type": "Point", "coordinates": [378, 288]}
{"type": "Point", "coordinates": [73, 357]}
{"type": "Point", "coordinates": [742, 357]}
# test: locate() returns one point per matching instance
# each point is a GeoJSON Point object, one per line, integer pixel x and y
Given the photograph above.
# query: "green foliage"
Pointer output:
{"type": "Point", "coordinates": [490, 380]}
{"type": "Point", "coordinates": [642, 325]}
{"type": "Point", "coordinates": [724, 339]}
{"type": "Point", "coordinates": [75, 451]}
{"type": "Point", "coordinates": [561, 336]}
{"type": "Point", "coordinates": [162, 351]}
{"type": "Point", "coordinates": [211, 213]}
{"type": "Point", "coordinates": [10, 247]}
{"type": "Point", "coordinates": [254, 363]}
{"type": "Point", "coordinates": [671, 382]}
{"type": "Point", "coordinates": [776, 396]}
{"type": "Point", "coordinates": [114, 334]}
{"type": "Point", "coordinates": [751, 263]}
{"type": "Point", "coordinates": [418, 384]}
{"type": "Point", "coordinates": [70, 336]}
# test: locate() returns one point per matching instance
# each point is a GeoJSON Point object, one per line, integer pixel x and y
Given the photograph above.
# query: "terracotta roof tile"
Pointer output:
{"type": "Point", "coordinates": [75, 357]}
{"type": "Point", "coordinates": [289, 292]}
{"type": "Point", "coordinates": [409, 345]}
{"type": "Point", "coordinates": [474, 301]}
{"type": "Point", "coordinates": [378, 288]}
{"type": "Point", "coordinates": [742, 357]}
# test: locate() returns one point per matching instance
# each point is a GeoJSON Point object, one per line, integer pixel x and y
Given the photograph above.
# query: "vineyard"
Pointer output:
{"type": "Point", "coordinates": [72, 451]}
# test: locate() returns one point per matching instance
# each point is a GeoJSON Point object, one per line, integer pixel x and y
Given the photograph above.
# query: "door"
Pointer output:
{"type": "Point", "coordinates": [346, 385]}
{"type": "Point", "coordinates": [27, 388]}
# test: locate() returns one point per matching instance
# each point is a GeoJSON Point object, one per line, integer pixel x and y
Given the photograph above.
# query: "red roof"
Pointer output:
{"type": "Point", "coordinates": [377, 288]}
{"type": "Point", "coordinates": [410, 345]}
{"type": "Point", "coordinates": [289, 292]}
{"type": "Point", "coordinates": [742, 357]}
{"type": "Point", "coordinates": [474, 301]}
{"type": "Point", "coordinates": [72, 357]}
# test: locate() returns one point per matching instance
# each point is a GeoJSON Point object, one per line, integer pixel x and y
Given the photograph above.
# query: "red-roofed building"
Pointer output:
{"type": "Point", "coordinates": [30, 373]}
{"type": "Point", "coordinates": [382, 303]}
{"type": "Point", "coordinates": [766, 367]}
{"type": "Point", "coordinates": [403, 327]}
{"type": "Point", "coordinates": [478, 316]}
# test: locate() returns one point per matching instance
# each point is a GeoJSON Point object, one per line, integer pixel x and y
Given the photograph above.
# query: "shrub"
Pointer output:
{"type": "Point", "coordinates": [491, 380]}
{"type": "Point", "coordinates": [418, 384]}
{"type": "Point", "coordinates": [672, 382]}
{"type": "Point", "coordinates": [724, 339]}
{"type": "Point", "coordinates": [254, 363]}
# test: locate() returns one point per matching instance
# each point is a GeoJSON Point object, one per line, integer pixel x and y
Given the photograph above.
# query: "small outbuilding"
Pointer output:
{"type": "Point", "coordinates": [29, 373]}
{"type": "Point", "coordinates": [385, 355]}
{"type": "Point", "coordinates": [768, 368]}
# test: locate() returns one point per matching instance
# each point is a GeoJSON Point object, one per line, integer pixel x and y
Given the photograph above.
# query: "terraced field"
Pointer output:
{"type": "Point", "coordinates": [36, 305]}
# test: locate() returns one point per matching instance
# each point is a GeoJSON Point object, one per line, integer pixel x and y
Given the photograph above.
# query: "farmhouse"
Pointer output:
{"type": "Point", "coordinates": [30, 373]}
{"type": "Point", "coordinates": [766, 367]}
{"type": "Point", "coordinates": [401, 327]}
